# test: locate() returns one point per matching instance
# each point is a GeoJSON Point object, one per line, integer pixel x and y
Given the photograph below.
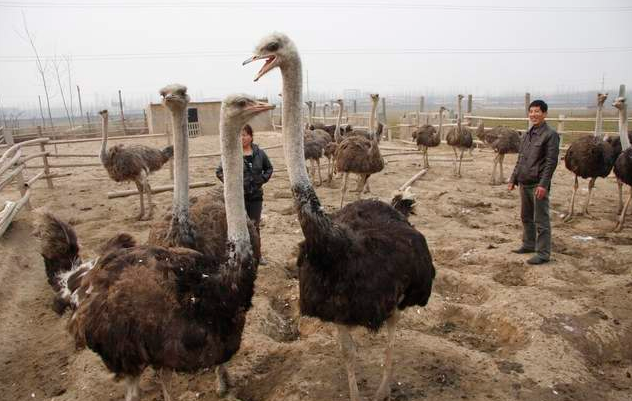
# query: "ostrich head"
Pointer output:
{"type": "Point", "coordinates": [241, 108]}
{"type": "Point", "coordinates": [277, 49]}
{"type": "Point", "coordinates": [375, 97]}
{"type": "Point", "coordinates": [103, 114]}
{"type": "Point", "coordinates": [601, 98]}
{"type": "Point", "coordinates": [175, 97]}
{"type": "Point", "coordinates": [338, 102]}
{"type": "Point", "coordinates": [619, 102]}
{"type": "Point", "coordinates": [461, 97]}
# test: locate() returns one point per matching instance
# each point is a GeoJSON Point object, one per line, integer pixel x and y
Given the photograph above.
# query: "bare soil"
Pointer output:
{"type": "Point", "coordinates": [495, 328]}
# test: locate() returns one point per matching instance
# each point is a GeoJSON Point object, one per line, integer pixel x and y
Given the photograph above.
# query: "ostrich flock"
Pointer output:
{"type": "Point", "coordinates": [179, 302]}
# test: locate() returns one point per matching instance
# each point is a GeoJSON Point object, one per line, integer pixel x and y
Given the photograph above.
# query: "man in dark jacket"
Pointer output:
{"type": "Point", "coordinates": [534, 169]}
{"type": "Point", "coordinates": [257, 171]}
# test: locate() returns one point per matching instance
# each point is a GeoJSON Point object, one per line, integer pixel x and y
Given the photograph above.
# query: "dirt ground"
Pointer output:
{"type": "Point", "coordinates": [495, 328]}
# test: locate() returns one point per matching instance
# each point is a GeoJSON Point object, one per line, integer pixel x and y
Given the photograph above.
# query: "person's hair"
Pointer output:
{"type": "Point", "coordinates": [541, 104]}
{"type": "Point", "coordinates": [248, 129]}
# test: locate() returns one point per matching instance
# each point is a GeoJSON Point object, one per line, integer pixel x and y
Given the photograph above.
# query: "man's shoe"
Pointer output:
{"type": "Point", "coordinates": [522, 249]}
{"type": "Point", "coordinates": [536, 260]}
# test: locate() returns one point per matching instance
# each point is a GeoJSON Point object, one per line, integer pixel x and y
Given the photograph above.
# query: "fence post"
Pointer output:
{"type": "Point", "coordinates": [560, 126]}
{"type": "Point", "coordinates": [355, 106]}
{"type": "Point", "coordinates": [49, 181]}
{"type": "Point", "coordinates": [8, 137]}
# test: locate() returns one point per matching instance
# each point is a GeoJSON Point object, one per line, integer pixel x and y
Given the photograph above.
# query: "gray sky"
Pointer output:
{"type": "Point", "coordinates": [387, 47]}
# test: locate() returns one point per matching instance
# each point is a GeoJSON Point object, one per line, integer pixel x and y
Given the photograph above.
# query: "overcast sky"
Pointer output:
{"type": "Point", "coordinates": [480, 47]}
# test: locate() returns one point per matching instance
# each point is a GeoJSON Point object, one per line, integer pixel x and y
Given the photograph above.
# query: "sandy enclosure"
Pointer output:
{"type": "Point", "coordinates": [495, 328]}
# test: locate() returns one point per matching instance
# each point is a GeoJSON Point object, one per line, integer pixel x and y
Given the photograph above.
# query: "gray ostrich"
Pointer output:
{"type": "Point", "coordinates": [132, 163]}
{"type": "Point", "coordinates": [623, 164]}
{"type": "Point", "coordinates": [502, 140]}
{"type": "Point", "coordinates": [427, 136]}
{"type": "Point", "coordinates": [460, 138]}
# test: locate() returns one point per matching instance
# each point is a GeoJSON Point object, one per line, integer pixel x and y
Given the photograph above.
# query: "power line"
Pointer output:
{"type": "Point", "coordinates": [338, 52]}
{"type": "Point", "coordinates": [312, 5]}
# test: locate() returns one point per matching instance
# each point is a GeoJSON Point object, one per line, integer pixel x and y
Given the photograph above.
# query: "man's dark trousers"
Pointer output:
{"type": "Point", "coordinates": [535, 221]}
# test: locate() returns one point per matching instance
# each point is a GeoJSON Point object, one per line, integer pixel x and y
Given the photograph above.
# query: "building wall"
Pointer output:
{"type": "Point", "coordinates": [208, 117]}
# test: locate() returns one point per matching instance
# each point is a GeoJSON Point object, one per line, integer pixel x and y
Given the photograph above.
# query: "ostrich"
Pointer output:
{"type": "Point", "coordinates": [332, 147]}
{"type": "Point", "coordinates": [623, 164]}
{"type": "Point", "coordinates": [313, 148]}
{"type": "Point", "coordinates": [359, 155]}
{"type": "Point", "coordinates": [428, 137]}
{"type": "Point", "coordinates": [353, 270]}
{"type": "Point", "coordinates": [174, 308]}
{"type": "Point", "coordinates": [502, 140]}
{"type": "Point", "coordinates": [459, 137]}
{"type": "Point", "coordinates": [589, 157]}
{"type": "Point", "coordinates": [132, 163]}
{"type": "Point", "coordinates": [310, 107]}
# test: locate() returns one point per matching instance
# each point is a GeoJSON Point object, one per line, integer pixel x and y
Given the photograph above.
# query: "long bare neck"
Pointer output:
{"type": "Point", "coordinates": [233, 165]}
{"type": "Point", "coordinates": [458, 113]}
{"type": "Point", "coordinates": [337, 136]}
{"type": "Point", "coordinates": [104, 140]}
{"type": "Point", "coordinates": [440, 122]}
{"type": "Point", "coordinates": [309, 113]}
{"type": "Point", "coordinates": [599, 121]}
{"type": "Point", "coordinates": [372, 116]}
{"type": "Point", "coordinates": [181, 166]}
{"type": "Point", "coordinates": [292, 133]}
{"type": "Point", "coordinates": [325, 113]}
{"type": "Point", "coordinates": [623, 126]}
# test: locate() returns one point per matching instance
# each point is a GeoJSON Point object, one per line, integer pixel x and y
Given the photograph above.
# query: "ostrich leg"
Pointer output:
{"type": "Point", "coordinates": [165, 382]}
{"type": "Point", "coordinates": [367, 188]}
{"type": "Point", "coordinates": [345, 178]}
{"type": "Point", "coordinates": [320, 177]}
{"type": "Point", "coordinates": [493, 180]}
{"type": "Point", "coordinates": [361, 184]}
{"type": "Point", "coordinates": [348, 349]}
{"type": "Point", "coordinates": [132, 388]}
{"type": "Point", "coordinates": [620, 185]}
{"type": "Point", "coordinates": [147, 190]}
{"type": "Point", "coordinates": [460, 161]}
{"type": "Point", "coordinates": [383, 392]}
{"type": "Point", "coordinates": [141, 190]}
{"type": "Point", "coordinates": [619, 226]}
{"type": "Point", "coordinates": [591, 185]}
{"type": "Point", "coordinates": [222, 380]}
{"type": "Point", "coordinates": [569, 216]}
{"type": "Point", "coordinates": [426, 161]}
{"type": "Point", "coordinates": [312, 170]}
{"type": "Point", "coordinates": [455, 158]}
{"type": "Point", "coordinates": [500, 161]}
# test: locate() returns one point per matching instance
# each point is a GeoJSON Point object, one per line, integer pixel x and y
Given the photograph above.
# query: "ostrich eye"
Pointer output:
{"type": "Point", "coordinates": [241, 103]}
{"type": "Point", "coordinates": [272, 47]}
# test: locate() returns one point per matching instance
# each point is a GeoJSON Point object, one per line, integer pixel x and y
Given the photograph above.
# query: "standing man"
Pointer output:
{"type": "Point", "coordinates": [534, 169]}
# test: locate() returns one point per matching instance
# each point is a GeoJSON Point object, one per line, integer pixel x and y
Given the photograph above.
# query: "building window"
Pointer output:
{"type": "Point", "coordinates": [192, 115]}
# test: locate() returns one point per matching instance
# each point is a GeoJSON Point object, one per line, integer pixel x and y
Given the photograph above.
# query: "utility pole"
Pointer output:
{"type": "Point", "coordinates": [80, 106]}
{"type": "Point", "coordinates": [122, 114]}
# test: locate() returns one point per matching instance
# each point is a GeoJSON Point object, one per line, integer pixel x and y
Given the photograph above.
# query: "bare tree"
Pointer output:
{"type": "Point", "coordinates": [70, 91]}
{"type": "Point", "coordinates": [41, 68]}
{"type": "Point", "coordinates": [56, 63]}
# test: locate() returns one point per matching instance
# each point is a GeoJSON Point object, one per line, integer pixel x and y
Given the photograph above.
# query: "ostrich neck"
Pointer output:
{"type": "Point", "coordinates": [372, 116]}
{"type": "Point", "coordinates": [104, 141]}
{"type": "Point", "coordinates": [440, 122]}
{"type": "Point", "coordinates": [325, 114]}
{"type": "Point", "coordinates": [233, 165]}
{"type": "Point", "coordinates": [181, 166]}
{"type": "Point", "coordinates": [599, 122]}
{"type": "Point", "coordinates": [309, 113]}
{"type": "Point", "coordinates": [458, 114]}
{"type": "Point", "coordinates": [293, 143]}
{"type": "Point", "coordinates": [337, 136]}
{"type": "Point", "coordinates": [623, 127]}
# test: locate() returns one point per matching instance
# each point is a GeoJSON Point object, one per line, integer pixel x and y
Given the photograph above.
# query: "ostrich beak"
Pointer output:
{"type": "Point", "coordinates": [260, 107]}
{"type": "Point", "coordinates": [269, 64]}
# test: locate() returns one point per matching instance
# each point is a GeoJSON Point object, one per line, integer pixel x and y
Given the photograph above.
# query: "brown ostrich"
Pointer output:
{"type": "Point", "coordinates": [590, 157]}
{"type": "Point", "coordinates": [174, 308]}
{"type": "Point", "coordinates": [460, 138]}
{"type": "Point", "coordinates": [502, 140]}
{"type": "Point", "coordinates": [313, 149]}
{"type": "Point", "coordinates": [427, 136]}
{"type": "Point", "coordinates": [354, 270]}
{"type": "Point", "coordinates": [623, 164]}
{"type": "Point", "coordinates": [132, 163]}
{"type": "Point", "coordinates": [359, 155]}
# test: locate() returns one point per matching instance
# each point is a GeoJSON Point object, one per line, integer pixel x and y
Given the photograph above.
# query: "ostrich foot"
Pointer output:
{"type": "Point", "coordinates": [568, 218]}
{"type": "Point", "coordinates": [383, 394]}
{"type": "Point", "coordinates": [222, 381]}
{"type": "Point", "coordinates": [590, 216]}
{"type": "Point", "coordinates": [618, 228]}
